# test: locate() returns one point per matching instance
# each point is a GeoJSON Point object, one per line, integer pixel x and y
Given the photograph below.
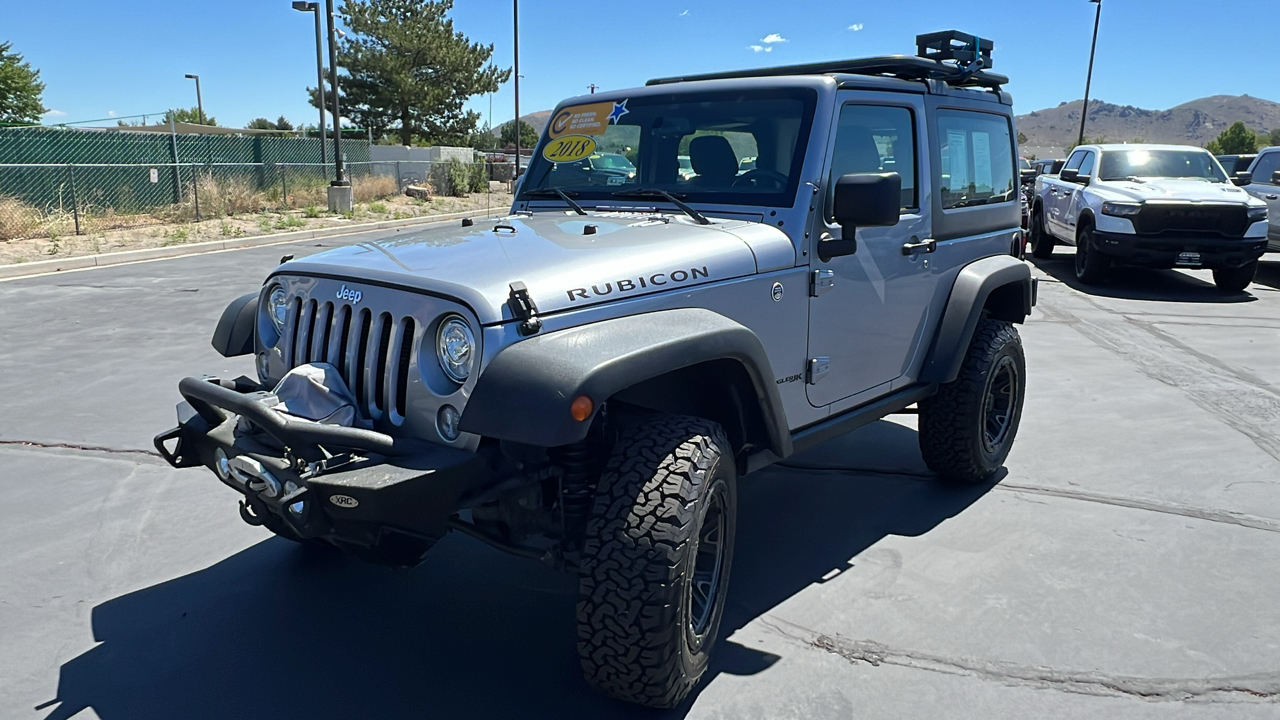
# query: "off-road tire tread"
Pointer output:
{"type": "Point", "coordinates": [1096, 265]}
{"type": "Point", "coordinates": [640, 530]}
{"type": "Point", "coordinates": [1235, 280]}
{"type": "Point", "coordinates": [948, 424]}
{"type": "Point", "coordinates": [1043, 247]}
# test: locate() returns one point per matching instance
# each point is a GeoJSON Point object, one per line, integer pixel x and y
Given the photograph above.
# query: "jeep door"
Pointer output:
{"type": "Point", "coordinates": [1264, 187]}
{"type": "Point", "coordinates": [866, 309]}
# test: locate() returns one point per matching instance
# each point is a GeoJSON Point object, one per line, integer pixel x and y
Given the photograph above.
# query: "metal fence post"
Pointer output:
{"type": "Point", "coordinates": [177, 169]}
{"type": "Point", "coordinates": [75, 201]}
{"type": "Point", "coordinates": [284, 186]}
{"type": "Point", "coordinates": [398, 176]}
{"type": "Point", "coordinates": [195, 189]}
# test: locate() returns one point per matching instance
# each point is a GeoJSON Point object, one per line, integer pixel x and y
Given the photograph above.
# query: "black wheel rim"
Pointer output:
{"type": "Point", "coordinates": [708, 566]}
{"type": "Point", "coordinates": [1035, 231]}
{"type": "Point", "coordinates": [1082, 254]}
{"type": "Point", "coordinates": [999, 405]}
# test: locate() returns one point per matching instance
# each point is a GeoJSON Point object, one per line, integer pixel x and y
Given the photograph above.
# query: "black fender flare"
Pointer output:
{"type": "Point", "coordinates": [525, 392]}
{"type": "Point", "coordinates": [999, 285]}
{"type": "Point", "coordinates": [234, 334]}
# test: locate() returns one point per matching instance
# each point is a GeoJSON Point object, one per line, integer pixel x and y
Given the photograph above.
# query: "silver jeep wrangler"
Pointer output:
{"type": "Point", "coordinates": [585, 381]}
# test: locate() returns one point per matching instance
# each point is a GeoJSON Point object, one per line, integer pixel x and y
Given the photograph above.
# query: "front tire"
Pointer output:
{"type": "Point", "coordinates": [1091, 265]}
{"type": "Point", "coordinates": [656, 559]}
{"type": "Point", "coordinates": [1235, 280]}
{"type": "Point", "coordinates": [1041, 240]}
{"type": "Point", "coordinates": [968, 428]}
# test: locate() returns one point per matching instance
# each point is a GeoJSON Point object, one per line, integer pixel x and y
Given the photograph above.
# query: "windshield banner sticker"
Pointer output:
{"type": "Point", "coordinates": [591, 119]}
{"type": "Point", "coordinates": [569, 148]}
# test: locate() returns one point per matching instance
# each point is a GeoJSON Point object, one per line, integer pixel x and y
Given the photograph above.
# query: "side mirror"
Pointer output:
{"type": "Point", "coordinates": [1275, 178]}
{"type": "Point", "coordinates": [1242, 178]}
{"type": "Point", "coordinates": [1069, 176]}
{"type": "Point", "coordinates": [1029, 175]}
{"type": "Point", "coordinates": [862, 200]}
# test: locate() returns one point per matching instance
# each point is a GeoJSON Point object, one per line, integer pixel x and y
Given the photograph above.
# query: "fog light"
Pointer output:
{"type": "Point", "coordinates": [221, 465]}
{"type": "Point", "coordinates": [447, 421]}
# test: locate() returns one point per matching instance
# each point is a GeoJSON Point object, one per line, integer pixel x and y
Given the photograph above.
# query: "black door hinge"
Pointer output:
{"type": "Point", "coordinates": [523, 309]}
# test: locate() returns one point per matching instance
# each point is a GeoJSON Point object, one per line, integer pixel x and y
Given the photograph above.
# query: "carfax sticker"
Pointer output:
{"type": "Point", "coordinates": [591, 119]}
{"type": "Point", "coordinates": [569, 148]}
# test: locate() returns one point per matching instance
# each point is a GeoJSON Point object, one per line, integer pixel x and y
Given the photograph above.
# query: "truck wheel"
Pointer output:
{"type": "Point", "coordinates": [1234, 280]}
{"type": "Point", "coordinates": [967, 429]}
{"type": "Point", "coordinates": [1041, 240]}
{"type": "Point", "coordinates": [656, 559]}
{"type": "Point", "coordinates": [1091, 265]}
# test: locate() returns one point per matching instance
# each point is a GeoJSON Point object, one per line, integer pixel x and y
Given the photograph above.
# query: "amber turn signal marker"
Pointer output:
{"type": "Point", "coordinates": [581, 408]}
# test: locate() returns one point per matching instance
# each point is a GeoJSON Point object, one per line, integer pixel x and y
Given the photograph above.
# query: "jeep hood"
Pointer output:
{"type": "Point", "coordinates": [557, 256]}
{"type": "Point", "coordinates": [1172, 189]}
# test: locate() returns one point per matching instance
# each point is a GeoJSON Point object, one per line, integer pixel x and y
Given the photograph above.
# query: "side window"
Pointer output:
{"type": "Point", "coordinates": [872, 139]}
{"type": "Point", "coordinates": [1265, 167]}
{"type": "Point", "coordinates": [1073, 162]}
{"type": "Point", "coordinates": [1086, 165]}
{"type": "Point", "coordinates": [977, 159]}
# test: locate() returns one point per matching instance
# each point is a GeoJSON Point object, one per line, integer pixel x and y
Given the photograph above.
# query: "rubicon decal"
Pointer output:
{"type": "Point", "coordinates": [642, 282]}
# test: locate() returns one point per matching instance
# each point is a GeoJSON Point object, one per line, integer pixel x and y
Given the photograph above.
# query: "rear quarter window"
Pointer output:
{"type": "Point", "coordinates": [977, 159]}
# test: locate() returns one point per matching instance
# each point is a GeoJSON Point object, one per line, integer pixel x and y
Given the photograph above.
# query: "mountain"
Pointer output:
{"type": "Point", "coordinates": [537, 119]}
{"type": "Point", "coordinates": [1192, 123]}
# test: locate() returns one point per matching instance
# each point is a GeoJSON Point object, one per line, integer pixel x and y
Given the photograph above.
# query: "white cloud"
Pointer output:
{"type": "Point", "coordinates": [54, 113]}
{"type": "Point", "coordinates": [686, 12]}
{"type": "Point", "coordinates": [111, 113]}
{"type": "Point", "coordinates": [855, 27]}
{"type": "Point", "coordinates": [759, 48]}
{"type": "Point", "coordinates": [772, 38]}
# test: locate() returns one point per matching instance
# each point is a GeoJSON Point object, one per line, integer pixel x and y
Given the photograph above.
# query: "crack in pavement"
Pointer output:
{"type": "Point", "coordinates": [38, 445]}
{"type": "Point", "coordinates": [1263, 686]}
{"type": "Point", "coordinates": [1158, 506]}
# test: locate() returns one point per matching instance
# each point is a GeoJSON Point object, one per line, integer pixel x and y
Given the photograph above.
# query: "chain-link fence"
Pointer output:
{"type": "Point", "coordinates": [57, 181]}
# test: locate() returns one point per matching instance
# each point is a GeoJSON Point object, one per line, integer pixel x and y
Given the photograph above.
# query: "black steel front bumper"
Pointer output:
{"type": "Point", "coordinates": [349, 485]}
{"type": "Point", "coordinates": [1179, 250]}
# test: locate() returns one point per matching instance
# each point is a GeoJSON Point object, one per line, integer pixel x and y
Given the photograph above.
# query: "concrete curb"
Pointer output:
{"type": "Point", "coordinates": [43, 267]}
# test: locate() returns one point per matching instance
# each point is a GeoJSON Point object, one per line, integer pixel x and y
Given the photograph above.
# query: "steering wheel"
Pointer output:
{"type": "Point", "coordinates": [754, 177]}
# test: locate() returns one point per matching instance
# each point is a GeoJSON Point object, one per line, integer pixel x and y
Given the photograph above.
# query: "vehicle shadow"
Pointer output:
{"type": "Point", "coordinates": [278, 631]}
{"type": "Point", "coordinates": [1139, 283]}
{"type": "Point", "coordinates": [1269, 272]}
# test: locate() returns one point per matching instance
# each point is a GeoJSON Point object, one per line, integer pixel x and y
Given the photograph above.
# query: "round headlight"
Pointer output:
{"type": "Point", "coordinates": [455, 345]}
{"type": "Point", "coordinates": [278, 307]}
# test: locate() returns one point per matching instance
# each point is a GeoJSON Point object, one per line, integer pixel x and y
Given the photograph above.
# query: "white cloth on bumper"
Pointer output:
{"type": "Point", "coordinates": [317, 392]}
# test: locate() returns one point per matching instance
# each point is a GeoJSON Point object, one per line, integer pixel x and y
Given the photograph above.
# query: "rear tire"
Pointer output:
{"type": "Point", "coordinates": [1041, 241]}
{"type": "Point", "coordinates": [1091, 266]}
{"type": "Point", "coordinates": [1235, 280]}
{"type": "Point", "coordinates": [656, 560]}
{"type": "Point", "coordinates": [968, 428]}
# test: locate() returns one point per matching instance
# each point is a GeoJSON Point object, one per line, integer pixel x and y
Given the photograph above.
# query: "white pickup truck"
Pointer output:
{"type": "Point", "coordinates": [1155, 206]}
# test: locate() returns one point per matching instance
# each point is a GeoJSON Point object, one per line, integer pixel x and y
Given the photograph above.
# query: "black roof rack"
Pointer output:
{"type": "Point", "coordinates": [934, 49]}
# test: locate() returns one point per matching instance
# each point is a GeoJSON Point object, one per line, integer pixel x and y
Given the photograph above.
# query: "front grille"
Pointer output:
{"type": "Point", "coordinates": [372, 351]}
{"type": "Point", "coordinates": [1158, 218]}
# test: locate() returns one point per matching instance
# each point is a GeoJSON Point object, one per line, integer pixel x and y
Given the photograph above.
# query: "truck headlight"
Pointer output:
{"type": "Point", "coordinates": [455, 345]}
{"type": "Point", "coordinates": [1121, 209]}
{"type": "Point", "coordinates": [278, 307]}
{"type": "Point", "coordinates": [1257, 214]}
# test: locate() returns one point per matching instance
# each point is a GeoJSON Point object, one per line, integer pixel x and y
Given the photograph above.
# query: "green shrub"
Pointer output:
{"type": "Point", "coordinates": [311, 211]}
{"type": "Point", "coordinates": [377, 207]}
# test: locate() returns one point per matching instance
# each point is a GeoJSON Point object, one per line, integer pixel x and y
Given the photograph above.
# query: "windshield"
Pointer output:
{"type": "Point", "coordinates": [1121, 164]}
{"type": "Point", "coordinates": [742, 148]}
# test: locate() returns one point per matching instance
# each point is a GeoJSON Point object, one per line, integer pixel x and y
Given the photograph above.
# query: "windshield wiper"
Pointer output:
{"type": "Point", "coordinates": [673, 199]}
{"type": "Point", "coordinates": [562, 194]}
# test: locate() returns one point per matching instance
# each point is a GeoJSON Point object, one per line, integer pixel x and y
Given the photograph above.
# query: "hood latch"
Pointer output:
{"type": "Point", "coordinates": [523, 309]}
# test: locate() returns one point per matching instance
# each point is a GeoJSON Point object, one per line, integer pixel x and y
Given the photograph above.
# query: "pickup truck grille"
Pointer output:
{"type": "Point", "coordinates": [1158, 218]}
{"type": "Point", "coordinates": [372, 350]}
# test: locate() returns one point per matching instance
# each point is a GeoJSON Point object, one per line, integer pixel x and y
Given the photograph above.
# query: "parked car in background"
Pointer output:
{"type": "Point", "coordinates": [1235, 163]}
{"type": "Point", "coordinates": [596, 169]}
{"type": "Point", "coordinates": [1048, 167]}
{"type": "Point", "coordinates": [747, 164]}
{"type": "Point", "coordinates": [686, 167]}
{"type": "Point", "coordinates": [1157, 206]}
{"type": "Point", "coordinates": [1264, 184]}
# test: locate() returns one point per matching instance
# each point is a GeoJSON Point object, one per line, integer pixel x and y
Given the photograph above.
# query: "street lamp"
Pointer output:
{"type": "Point", "coordinates": [314, 7]}
{"type": "Point", "coordinates": [1084, 111]}
{"type": "Point", "coordinates": [515, 7]}
{"type": "Point", "coordinates": [339, 189]}
{"type": "Point", "coordinates": [199, 102]}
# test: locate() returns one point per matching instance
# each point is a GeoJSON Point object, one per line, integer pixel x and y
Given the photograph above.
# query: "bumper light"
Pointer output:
{"type": "Point", "coordinates": [447, 422]}
{"type": "Point", "coordinates": [1258, 214]}
{"type": "Point", "coordinates": [1121, 209]}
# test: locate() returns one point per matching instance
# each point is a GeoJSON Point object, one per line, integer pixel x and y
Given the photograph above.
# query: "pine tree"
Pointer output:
{"type": "Point", "coordinates": [1235, 140]}
{"type": "Point", "coordinates": [20, 89]}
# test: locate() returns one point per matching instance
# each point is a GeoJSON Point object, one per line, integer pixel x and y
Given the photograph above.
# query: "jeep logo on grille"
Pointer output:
{"type": "Point", "coordinates": [346, 293]}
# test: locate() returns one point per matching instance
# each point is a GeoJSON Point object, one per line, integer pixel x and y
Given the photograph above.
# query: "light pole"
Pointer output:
{"type": "Point", "coordinates": [314, 7]}
{"type": "Point", "coordinates": [340, 188]}
{"type": "Point", "coordinates": [1084, 111]}
{"type": "Point", "coordinates": [515, 6]}
{"type": "Point", "coordinates": [199, 102]}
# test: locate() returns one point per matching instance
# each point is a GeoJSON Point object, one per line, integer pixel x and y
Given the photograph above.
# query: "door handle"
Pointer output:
{"type": "Point", "coordinates": [1273, 197]}
{"type": "Point", "coordinates": [924, 246]}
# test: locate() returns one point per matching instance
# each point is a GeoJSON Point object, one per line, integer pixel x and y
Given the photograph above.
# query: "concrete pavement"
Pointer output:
{"type": "Point", "coordinates": [1122, 567]}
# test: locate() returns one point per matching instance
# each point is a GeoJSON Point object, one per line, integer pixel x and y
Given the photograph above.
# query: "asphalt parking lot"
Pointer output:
{"type": "Point", "coordinates": [1123, 567]}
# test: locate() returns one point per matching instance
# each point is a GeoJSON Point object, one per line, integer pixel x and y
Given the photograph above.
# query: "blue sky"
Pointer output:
{"type": "Point", "coordinates": [255, 57]}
